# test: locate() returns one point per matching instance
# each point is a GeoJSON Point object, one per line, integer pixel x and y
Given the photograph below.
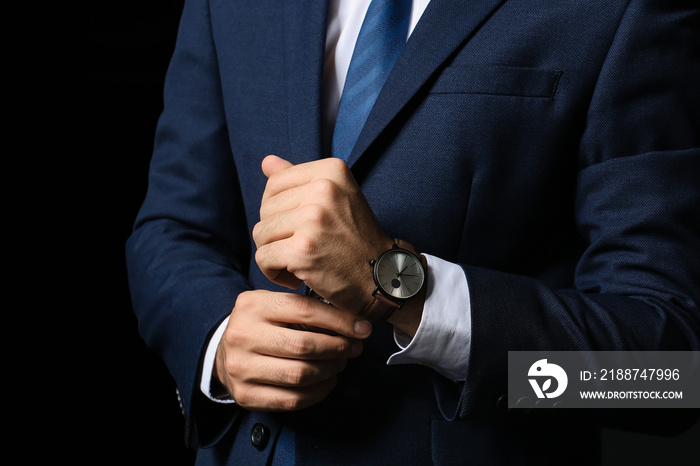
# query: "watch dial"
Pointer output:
{"type": "Point", "coordinates": [399, 274]}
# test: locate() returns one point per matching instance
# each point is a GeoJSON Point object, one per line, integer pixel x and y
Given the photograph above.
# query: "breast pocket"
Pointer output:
{"type": "Point", "coordinates": [498, 80]}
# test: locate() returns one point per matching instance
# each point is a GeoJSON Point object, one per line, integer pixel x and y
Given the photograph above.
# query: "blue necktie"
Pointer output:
{"type": "Point", "coordinates": [382, 36]}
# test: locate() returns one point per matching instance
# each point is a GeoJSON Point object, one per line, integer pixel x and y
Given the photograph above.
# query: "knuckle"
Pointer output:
{"type": "Point", "coordinates": [273, 183]}
{"type": "Point", "coordinates": [303, 310]}
{"type": "Point", "coordinates": [281, 302]}
{"type": "Point", "coordinates": [300, 346]}
{"type": "Point", "coordinates": [243, 315]}
{"type": "Point", "coordinates": [231, 335]}
{"type": "Point", "coordinates": [256, 231]}
{"type": "Point", "coordinates": [236, 341]}
{"type": "Point", "coordinates": [342, 346]}
{"type": "Point", "coordinates": [315, 214]}
{"type": "Point", "coordinates": [260, 255]}
{"type": "Point", "coordinates": [297, 274]}
{"type": "Point", "coordinates": [292, 402]}
{"type": "Point", "coordinates": [297, 375]}
{"type": "Point", "coordinates": [305, 245]}
{"type": "Point", "coordinates": [326, 189]}
{"type": "Point", "coordinates": [264, 209]}
{"type": "Point", "coordinates": [244, 300]}
{"type": "Point", "coordinates": [243, 395]}
{"type": "Point", "coordinates": [342, 323]}
{"type": "Point", "coordinates": [233, 368]}
{"type": "Point", "coordinates": [337, 165]}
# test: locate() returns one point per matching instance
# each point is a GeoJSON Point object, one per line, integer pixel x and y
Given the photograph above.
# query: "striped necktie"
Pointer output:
{"type": "Point", "coordinates": [382, 37]}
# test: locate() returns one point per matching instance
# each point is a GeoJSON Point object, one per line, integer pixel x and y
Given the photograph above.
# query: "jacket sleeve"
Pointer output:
{"type": "Point", "coordinates": [189, 251]}
{"type": "Point", "coordinates": [637, 284]}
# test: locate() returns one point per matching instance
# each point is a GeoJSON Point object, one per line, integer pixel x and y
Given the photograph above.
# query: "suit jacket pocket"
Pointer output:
{"type": "Point", "coordinates": [497, 80]}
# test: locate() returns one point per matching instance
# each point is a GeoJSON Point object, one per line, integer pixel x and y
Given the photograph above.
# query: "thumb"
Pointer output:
{"type": "Point", "coordinates": [273, 164]}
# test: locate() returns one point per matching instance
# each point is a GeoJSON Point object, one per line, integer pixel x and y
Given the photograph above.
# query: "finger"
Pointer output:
{"type": "Point", "coordinates": [282, 180]}
{"type": "Point", "coordinates": [273, 164]}
{"type": "Point", "coordinates": [254, 397]}
{"type": "Point", "coordinates": [319, 192]}
{"type": "Point", "coordinates": [276, 227]}
{"type": "Point", "coordinates": [272, 167]}
{"type": "Point", "coordinates": [274, 259]}
{"type": "Point", "coordinates": [292, 372]}
{"type": "Point", "coordinates": [299, 345]}
{"type": "Point", "coordinates": [311, 220]}
{"type": "Point", "coordinates": [298, 175]}
{"type": "Point", "coordinates": [286, 279]}
{"type": "Point", "coordinates": [284, 201]}
{"type": "Point", "coordinates": [247, 329]}
{"type": "Point", "coordinates": [297, 309]}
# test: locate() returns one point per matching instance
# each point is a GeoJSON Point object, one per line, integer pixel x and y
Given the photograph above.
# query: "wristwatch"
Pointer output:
{"type": "Point", "coordinates": [399, 275]}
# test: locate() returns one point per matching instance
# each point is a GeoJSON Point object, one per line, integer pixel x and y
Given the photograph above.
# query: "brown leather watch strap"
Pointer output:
{"type": "Point", "coordinates": [406, 245]}
{"type": "Point", "coordinates": [379, 308]}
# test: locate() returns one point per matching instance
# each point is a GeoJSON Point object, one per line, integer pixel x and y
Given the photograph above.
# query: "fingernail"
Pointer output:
{"type": "Point", "coordinates": [362, 327]}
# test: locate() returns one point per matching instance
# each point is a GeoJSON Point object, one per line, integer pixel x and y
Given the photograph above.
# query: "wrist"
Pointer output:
{"type": "Point", "coordinates": [407, 319]}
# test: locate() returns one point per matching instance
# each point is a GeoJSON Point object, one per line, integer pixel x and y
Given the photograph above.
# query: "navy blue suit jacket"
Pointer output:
{"type": "Point", "coordinates": [550, 148]}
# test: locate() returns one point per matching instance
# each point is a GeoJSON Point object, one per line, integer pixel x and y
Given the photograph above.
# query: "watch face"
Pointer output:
{"type": "Point", "coordinates": [399, 273]}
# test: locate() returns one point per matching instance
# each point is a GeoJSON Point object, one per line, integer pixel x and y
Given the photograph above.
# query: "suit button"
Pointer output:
{"type": "Point", "coordinates": [259, 436]}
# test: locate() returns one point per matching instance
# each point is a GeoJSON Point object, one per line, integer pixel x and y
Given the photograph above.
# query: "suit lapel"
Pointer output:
{"type": "Point", "coordinates": [305, 39]}
{"type": "Point", "coordinates": [445, 25]}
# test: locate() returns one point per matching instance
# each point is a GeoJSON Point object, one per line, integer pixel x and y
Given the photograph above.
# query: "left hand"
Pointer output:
{"type": "Point", "coordinates": [316, 227]}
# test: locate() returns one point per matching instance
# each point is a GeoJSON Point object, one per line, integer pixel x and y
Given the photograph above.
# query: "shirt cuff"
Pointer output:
{"type": "Point", "coordinates": [208, 367]}
{"type": "Point", "coordinates": [443, 339]}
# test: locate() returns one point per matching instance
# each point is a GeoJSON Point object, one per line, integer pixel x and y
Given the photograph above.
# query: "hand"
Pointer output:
{"type": "Point", "coordinates": [267, 365]}
{"type": "Point", "coordinates": [316, 227]}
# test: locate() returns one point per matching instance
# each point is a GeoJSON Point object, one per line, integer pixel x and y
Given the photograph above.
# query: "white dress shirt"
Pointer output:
{"type": "Point", "coordinates": [443, 339]}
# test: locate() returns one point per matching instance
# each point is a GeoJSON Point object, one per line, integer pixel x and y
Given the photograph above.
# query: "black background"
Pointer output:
{"type": "Point", "coordinates": [129, 409]}
{"type": "Point", "coordinates": [124, 394]}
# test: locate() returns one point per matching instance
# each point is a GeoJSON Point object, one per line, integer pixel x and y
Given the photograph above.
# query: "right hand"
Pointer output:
{"type": "Point", "coordinates": [317, 228]}
{"type": "Point", "coordinates": [268, 363]}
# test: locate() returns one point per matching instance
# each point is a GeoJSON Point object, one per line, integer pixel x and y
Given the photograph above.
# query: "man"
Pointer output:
{"type": "Point", "coordinates": [536, 164]}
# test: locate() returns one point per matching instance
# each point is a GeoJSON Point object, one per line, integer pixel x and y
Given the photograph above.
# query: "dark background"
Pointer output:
{"type": "Point", "coordinates": [130, 412]}
{"type": "Point", "coordinates": [127, 398]}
